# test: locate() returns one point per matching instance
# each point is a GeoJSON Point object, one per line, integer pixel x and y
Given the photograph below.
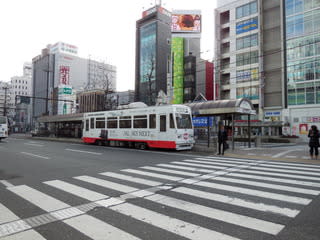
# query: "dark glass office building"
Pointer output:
{"type": "Point", "coordinates": [153, 51]}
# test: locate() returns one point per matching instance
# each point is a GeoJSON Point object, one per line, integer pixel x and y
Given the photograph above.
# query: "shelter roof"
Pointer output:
{"type": "Point", "coordinates": [62, 118]}
{"type": "Point", "coordinates": [220, 107]}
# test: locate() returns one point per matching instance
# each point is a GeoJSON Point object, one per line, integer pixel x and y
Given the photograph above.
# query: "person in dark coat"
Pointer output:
{"type": "Point", "coordinates": [314, 136]}
{"type": "Point", "coordinates": [222, 140]}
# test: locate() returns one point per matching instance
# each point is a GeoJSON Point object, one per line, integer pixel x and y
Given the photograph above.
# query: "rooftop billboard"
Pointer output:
{"type": "Point", "coordinates": [186, 23]}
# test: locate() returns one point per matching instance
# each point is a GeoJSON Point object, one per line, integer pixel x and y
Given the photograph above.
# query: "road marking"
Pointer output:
{"type": "Point", "coordinates": [224, 216]}
{"type": "Point", "coordinates": [237, 202]}
{"type": "Point", "coordinates": [268, 185]}
{"type": "Point", "coordinates": [282, 180]}
{"type": "Point", "coordinates": [34, 144]}
{"type": "Point", "coordinates": [97, 229]}
{"type": "Point", "coordinates": [80, 151]}
{"type": "Point", "coordinates": [252, 154]}
{"type": "Point", "coordinates": [257, 193]}
{"type": "Point", "coordinates": [294, 176]}
{"type": "Point", "coordinates": [182, 228]}
{"type": "Point", "coordinates": [286, 171]}
{"type": "Point", "coordinates": [38, 198]}
{"type": "Point", "coordinates": [76, 190]}
{"type": "Point", "coordinates": [289, 167]}
{"type": "Point", "coordinates": [6, 183]}
{"type": "Point", "coordinates": [171, 171]}
{"type": "Point", "coordinates": [283, 153]}
{"type": "Point", "coordinates": [6, 215]}
{"type": "Point", "coordinates": [28, 234]}
{"type": "Point", "coordinates": [155, 175]}
{"type": "Point", "coordinates": [185, 168]}
{"type": "Point", "coordinates": [34, 155]}
{"type": "Point", "coordinates": [107, 184]}
{"type": "Point", "coordinates": [131, 179]}
{"type": "Point", "coordinates": [202, 165]}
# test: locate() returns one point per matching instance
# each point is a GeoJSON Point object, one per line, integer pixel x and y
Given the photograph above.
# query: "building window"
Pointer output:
{"type": "Point", "coordinates": [247, 41]}
{"type": "Point", "coordinates": [247, 9]}
{"type": "Point", "coordinates": [247, 58]}
{"type": "Point", "coordinates": [248, 75]}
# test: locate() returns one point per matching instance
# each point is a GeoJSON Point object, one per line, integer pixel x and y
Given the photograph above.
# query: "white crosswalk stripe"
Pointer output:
{"type": "Point", "coordinates": [195, 186]}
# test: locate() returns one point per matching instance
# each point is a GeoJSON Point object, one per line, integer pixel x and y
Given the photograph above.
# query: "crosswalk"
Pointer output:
{"type": "Point", "coordinates": [196, 198]}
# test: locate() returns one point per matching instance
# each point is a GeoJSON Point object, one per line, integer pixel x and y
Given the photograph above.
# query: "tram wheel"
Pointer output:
{"type": "Point", "coordinates": [143, 146]}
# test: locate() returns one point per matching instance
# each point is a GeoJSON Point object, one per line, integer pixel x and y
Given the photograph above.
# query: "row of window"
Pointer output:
{"type": "Point", "coordinates": [298, 6]}
{"type": "Point", "coordinates": [248, 75]}
{"type": "Point", "coordinates": [303, 70]}
{"type": "Point", "coordinates": [303, 23]}
{"type": "Point", "coordinates": [304, 94]}
{"type": "Point", "coordinates": [21, 93]}
{"type": "Point", "coordinates": [20, 81]}
{"type": "Point", "coordinates": [21, 87]}
{"type": "Point", "coordinates": [183, 121]}
{"type": "Point", "coordinates": [303, 47]}
{"type": "Point", "coordinates": [247, 58]}
{"type": "Point", "coordinates": [251, 93]}
{"type": "Point", "coordinates": [247, 9]}
{"type": "Point", "coordinates": [247, 41]}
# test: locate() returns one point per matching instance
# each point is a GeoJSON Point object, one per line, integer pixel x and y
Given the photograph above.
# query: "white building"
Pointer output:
{"type": "Point", "coordinates": [22, 85]}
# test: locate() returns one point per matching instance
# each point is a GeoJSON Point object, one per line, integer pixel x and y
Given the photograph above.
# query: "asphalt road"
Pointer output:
{"type": "Point", "coordinates": [59, 190]}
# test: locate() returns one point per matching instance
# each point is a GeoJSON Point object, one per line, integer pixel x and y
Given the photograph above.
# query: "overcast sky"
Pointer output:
{"type": "Point", "coordinates": [104, 29]}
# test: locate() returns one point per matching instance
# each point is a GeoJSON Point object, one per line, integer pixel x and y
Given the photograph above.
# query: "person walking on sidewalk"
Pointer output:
{"type": "Point", "coordinates": [222, 140]}
{"type": "Point", "coordinates": [314, 136]}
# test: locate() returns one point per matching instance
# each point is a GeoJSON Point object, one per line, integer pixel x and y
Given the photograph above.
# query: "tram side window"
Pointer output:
{"type": "Point", "coordinates": [125, 122]}
{"type": "Point", "coordinates": [163, 123]}
{"type": "Point", "coordinates": [171, 121]}
{"type": "Point", "coordinates": [152, 121]}
{"type": "Point", "coordinates": [91, 122]}
{"type": "Point", "coordinates": [87, 124]}
{"type": "Point", "coordinates": [100, 122]}
{"type": "Point", "coordinates": [112, 122]}
{"type": "Point", "coordinates": [140, 121]}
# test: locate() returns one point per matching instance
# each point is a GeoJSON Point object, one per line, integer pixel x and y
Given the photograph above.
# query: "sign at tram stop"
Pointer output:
{"type": "Point", "coordinates": [202, 121]}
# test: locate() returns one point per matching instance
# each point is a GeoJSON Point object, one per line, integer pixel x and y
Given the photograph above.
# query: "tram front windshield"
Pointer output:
{"type": "Point", "coordinates": [183, 121]}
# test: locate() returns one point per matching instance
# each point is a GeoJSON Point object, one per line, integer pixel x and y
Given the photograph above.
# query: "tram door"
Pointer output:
{"type": "Point", "coordinates": [163, 127]}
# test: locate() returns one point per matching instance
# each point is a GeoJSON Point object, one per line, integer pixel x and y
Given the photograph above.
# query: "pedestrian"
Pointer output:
{"type": "Point", "coordinates": [222, 140]}
{"type": "Point", "coordinates": [314, 136]}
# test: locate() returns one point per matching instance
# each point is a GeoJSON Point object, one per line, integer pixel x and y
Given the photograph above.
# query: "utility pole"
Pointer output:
{"type": "Point", "coordinates": [5, 101]}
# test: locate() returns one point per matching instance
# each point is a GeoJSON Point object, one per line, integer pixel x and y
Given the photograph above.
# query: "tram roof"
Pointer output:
{"type": "Point", "coordinates": [220, 107]}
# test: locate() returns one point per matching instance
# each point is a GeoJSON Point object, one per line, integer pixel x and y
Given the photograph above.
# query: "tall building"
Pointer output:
{"type": "Point", "coordinates": [302, 67]}
{"type": "Point", "coordinates": [249, 55]}
{"type": "Point", "coordinates": [153, 54]}
{"type": "Point", "coordinates": [22, 85]}
{"type": "Point", "coordinates": [58, 73]}
{"type": "Point", "coordinates": [187, 78]}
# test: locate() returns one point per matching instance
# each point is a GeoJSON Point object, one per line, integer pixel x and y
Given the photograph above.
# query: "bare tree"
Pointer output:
{"type": "Point", "coordinates": [151, 80]}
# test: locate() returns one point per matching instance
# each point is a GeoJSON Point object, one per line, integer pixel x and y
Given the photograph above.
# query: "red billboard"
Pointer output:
{"type": "Point", "coordinates": [64, 75]}
{"type": "Point", "coordinates": [186, 23]}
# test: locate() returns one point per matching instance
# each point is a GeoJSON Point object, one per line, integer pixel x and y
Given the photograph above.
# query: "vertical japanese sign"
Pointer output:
{"type": "Point", "coordinates": [178, 70]}
{"type": "Point", "coordinates": [64, 75]}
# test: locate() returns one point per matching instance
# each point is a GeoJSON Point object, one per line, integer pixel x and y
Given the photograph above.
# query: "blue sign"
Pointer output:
{"type": "Point", "coordinates": [247, 26]}
{"type": "Point", "coordinates": [202, 121]}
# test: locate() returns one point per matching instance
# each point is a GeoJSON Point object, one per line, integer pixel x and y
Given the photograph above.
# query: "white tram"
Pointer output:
{"type": "Point", "coordinates": [168, 126]}
{"type": "Point", "coordinates": [3, 127]}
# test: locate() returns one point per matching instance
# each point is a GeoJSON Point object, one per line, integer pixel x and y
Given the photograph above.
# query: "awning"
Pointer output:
{"type": "Point", "coordinates": [220, 107]}
{"type": "Point", "coordinates": [61, 118]}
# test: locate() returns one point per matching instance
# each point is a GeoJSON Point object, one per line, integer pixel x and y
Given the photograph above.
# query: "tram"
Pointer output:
{"type": "Point", "coordinates": [167, 126]}
{"type": "Point", "coordinates": [3, 127]}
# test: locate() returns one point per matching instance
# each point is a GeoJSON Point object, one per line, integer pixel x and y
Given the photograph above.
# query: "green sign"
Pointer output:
{"type": "Point", "coordinates": [178, 71]}
{"type": "Point", "coordinates": [65, 90]}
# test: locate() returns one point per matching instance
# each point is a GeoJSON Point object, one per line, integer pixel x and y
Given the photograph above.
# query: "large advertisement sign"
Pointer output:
{"type": "Point", "coordinates": [64, 75]}
{"type": "Point", "coordinates": [178, 70]}
{"type": "Point", "coordinates": [186, 23]}
{"type": "Point", "coordinates": [64, 96]}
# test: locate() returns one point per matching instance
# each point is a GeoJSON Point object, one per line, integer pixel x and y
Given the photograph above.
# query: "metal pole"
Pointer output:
{"type": "Point", "coordinates": [232, 131]}
{"type": "Point", "coordinates": [5, 101]}
{"type": "Point", "coordinates": [208, 126]}
{"type": "Point", "coordinates": [249, 132]}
